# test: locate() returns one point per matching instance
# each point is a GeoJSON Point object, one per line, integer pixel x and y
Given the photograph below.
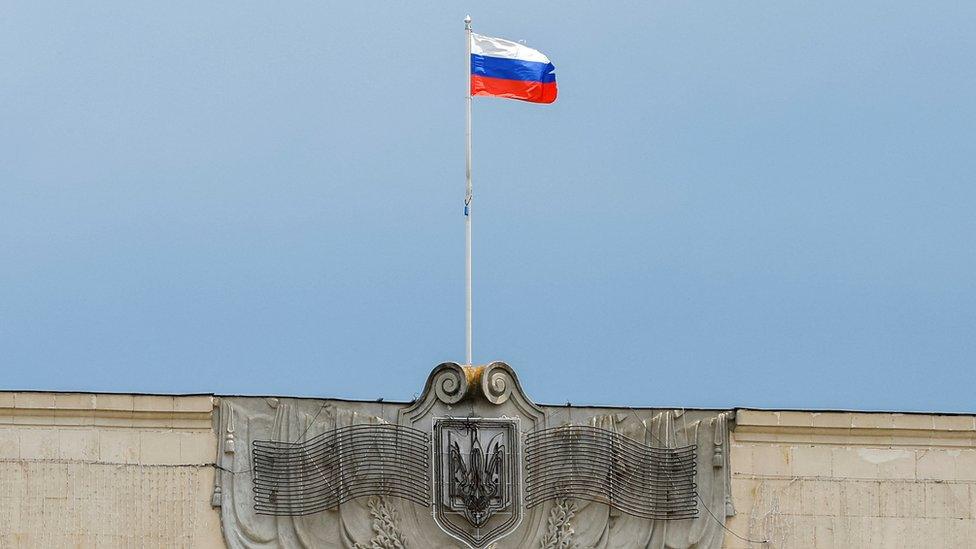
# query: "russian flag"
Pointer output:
{"type": "Point", "coordinates": [501, 68]}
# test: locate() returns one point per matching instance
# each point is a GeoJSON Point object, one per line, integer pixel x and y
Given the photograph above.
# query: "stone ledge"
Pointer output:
{"type": "Point", "coordinates": [117, 464]}
{"type": "Point", "coordinates": [855, 428]}
{"type": "Point", "coordinates": [108, 410]}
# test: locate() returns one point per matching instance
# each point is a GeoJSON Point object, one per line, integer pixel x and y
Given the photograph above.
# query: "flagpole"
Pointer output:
{"type": "Point", "coordinates": [468, 195]}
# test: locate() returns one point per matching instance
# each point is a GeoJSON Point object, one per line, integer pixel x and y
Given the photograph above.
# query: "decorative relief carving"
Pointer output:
{"type": "Point", "coordinates": [386, 527]}
{"type": "Point", "coordinates": [229, 445]}
{"type": "Point", "coordinates": [450, 383]}
{"type": "Point", "coordinates": [718, 441]}
{"type": "Point", "coordinates": [369, 475]}
{"type": "Point", "coordinates": [559, 526]}
{"type": "Point", "coordinates": [497, 382]}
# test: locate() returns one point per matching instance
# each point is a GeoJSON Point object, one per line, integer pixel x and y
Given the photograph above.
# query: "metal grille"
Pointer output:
{"type": "Point", "coordinates": [332, 468]}
{"type": "Point", "coordinates": [598, 465]}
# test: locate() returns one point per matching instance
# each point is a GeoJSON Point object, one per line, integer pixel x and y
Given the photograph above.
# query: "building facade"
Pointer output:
{"type": "Point", "coordinates": [486, 467]}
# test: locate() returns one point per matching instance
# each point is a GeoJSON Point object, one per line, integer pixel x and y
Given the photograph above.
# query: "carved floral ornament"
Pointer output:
{"type": "Point", "coordinates": [472, 462]}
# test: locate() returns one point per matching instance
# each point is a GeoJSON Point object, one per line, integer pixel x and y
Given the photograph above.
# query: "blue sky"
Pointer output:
{"type": "Point", "coordinates": [752, 204]}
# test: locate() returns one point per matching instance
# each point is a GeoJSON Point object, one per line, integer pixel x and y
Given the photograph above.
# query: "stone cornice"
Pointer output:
{"type": "Point", "coordinates": [856, 428]}
{"type": "Point", "coordinates": [108, 410]}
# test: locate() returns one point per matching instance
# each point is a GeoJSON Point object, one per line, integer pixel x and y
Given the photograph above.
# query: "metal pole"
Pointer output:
{"type": "Point", "coordinates": [468, 195]}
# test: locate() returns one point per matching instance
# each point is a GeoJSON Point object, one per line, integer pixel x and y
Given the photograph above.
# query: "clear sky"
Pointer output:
{"type": "Point", "coordinates": [761, 204]}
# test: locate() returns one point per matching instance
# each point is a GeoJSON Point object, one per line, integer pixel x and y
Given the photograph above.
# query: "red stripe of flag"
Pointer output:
{"type": "Point", "coordinates": [534, 92]}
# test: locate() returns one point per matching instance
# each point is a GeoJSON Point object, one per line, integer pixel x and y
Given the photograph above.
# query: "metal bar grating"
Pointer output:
{"type": "Point", "coordinates": [301, 478]}
{"type": "Point", "coordinates": [577, 461]}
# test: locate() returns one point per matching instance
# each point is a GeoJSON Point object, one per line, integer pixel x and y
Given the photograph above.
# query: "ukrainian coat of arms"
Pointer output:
{"type": "Point", "coordinates": [477, 495]}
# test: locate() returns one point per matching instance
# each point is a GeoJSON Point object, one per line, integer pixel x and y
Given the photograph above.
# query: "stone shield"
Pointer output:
{"type": "Point", "coordinates": [477, 478]}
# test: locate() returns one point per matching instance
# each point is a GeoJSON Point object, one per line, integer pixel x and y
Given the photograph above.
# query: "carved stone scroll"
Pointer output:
{"type": "Point", "coordinates": [593, 464]}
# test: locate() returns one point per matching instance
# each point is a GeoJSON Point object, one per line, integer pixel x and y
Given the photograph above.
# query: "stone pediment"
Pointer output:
{"type": "Point", "coordinates": [458, 391]}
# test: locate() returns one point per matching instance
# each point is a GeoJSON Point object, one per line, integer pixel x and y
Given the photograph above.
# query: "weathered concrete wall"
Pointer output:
{"type": "Point", "coordinates": [844, 480]}
{"type": "Point", "coordinates": [85, 470]}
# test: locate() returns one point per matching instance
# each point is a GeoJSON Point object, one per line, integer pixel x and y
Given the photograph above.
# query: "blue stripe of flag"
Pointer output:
{"type": "Point", "coordinates": [512, 69]}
